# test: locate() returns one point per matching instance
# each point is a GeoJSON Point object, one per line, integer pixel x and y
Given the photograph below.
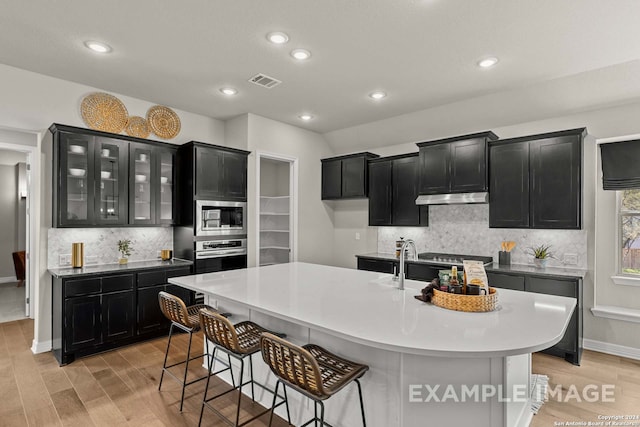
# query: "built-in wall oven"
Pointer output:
{"type": "Point", "coordinates": [220, 255]}
{"type": "Point", "coordinates": [220, 218]}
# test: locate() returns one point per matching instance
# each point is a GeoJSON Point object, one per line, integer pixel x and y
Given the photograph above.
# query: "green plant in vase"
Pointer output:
{"type": "Point", "coordinates": [125, 249]}
{"type": "Point", "coordinates": [541, 255]}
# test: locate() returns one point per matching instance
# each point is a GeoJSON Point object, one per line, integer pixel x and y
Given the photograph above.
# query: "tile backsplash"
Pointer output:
{"type": "Point", "coordinates": [102, 243]}
{"type": "Point", "coordinates": [464, 229]}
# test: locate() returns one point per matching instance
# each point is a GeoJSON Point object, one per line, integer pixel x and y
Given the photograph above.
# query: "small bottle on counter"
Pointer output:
{"type": "Point", "coordinates": [399, 244]}
{"type": "Point", "coordinates": [453, 281]}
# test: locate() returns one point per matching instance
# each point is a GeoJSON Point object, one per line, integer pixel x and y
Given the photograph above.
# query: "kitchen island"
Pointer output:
{"type": "Point", "coordinates": [429, 366]}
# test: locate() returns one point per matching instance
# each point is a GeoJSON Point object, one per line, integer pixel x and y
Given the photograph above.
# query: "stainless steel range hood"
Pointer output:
{"type": "Point", "coordinates": [453, 199]}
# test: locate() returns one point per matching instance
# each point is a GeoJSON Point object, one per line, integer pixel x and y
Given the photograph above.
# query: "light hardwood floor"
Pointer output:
{"type": "Point", "coordinates": [120, 387]}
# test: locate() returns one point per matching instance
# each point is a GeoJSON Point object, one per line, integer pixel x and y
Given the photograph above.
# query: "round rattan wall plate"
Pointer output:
{"type": "Point", "coordinates": [104, 112]}
{"type": "Point", "coordinates": [163, 121]}
{"type": "Point", "coordinates": [137, 126]}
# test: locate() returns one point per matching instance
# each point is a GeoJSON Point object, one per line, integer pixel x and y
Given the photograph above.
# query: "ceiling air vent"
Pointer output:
{"type": "Point", "coordinates": [264, 81]}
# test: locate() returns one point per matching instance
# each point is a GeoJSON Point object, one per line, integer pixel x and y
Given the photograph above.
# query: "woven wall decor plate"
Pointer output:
{"type": "Point", "coordinates": [104, 112]}
{"type": "Point", "coordinates": [137, 126]}
{"type": "Point", "coordinates": [163, 121]}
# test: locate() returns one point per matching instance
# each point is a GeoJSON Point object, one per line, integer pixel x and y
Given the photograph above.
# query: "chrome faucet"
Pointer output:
{"type": "Point", "coordinates": [406, 243]}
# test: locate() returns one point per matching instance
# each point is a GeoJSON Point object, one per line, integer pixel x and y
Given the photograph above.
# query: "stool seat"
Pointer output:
{"type": "Point", "coordinates": [335, 371]}
{"type": "Point", "coordinates": [194, 314]}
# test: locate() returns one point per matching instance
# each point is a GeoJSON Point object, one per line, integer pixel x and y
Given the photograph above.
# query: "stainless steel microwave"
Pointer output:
{"type": "Point", "coordinates": [220, 218]}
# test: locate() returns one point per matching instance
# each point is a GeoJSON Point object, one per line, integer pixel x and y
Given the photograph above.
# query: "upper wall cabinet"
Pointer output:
{"type": "Point", "coordinates": [212, 172]}
{"type": "Point", "coordinates": [455, 165]}
{"type": "Point", "coordinates": [346, 177]}
{"type": "Point", "coordinates": [536, 181]}
{"type": "Point", "coordinates": [393, 183]}
{"type": "Point", "coordinates": [103, 179]}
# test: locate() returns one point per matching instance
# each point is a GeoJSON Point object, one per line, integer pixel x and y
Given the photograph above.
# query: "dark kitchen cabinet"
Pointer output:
{"type": "Point", "coordinates": [381, 266]}
{"type": "Point", "coordinates": [570, 346]}
{"type": "Point", "coordinates": [151, 185]}
{"type": "Point", "coordinates": [380, 193]}
{"type": "Point", "coordinates": [506, 281]}
{"type": "Point", "coordinates": [454, 165]}
{"type": "Point", "coordinates": [98, 312]}
{"type": "Point", "coordinates": [102, 179]}
{"type": "Point", "coordinates": [536, 181]}
{"type": "Point", "coordinates": [220, 173]}
{"type": "Point", "coordinates": [509, 184]}
{"type": "Point", "coordinates": [346, 177]}
{"type": "Point", "coordinates": [393, 183]}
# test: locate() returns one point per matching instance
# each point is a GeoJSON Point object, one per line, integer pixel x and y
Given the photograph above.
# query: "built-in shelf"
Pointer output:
{"type": "Point", "coordinates": [274, 231]}
{"type": "Point", "coordinates": [274, 213]}
{"type": "Point", "coordinates": [275, 235]}
{"type": "Point", "coordinates": [274, 197]}
{"type": "Point", "coordinates": [264, 264]}
{"type": "Point", "coordinates": [280, 248]}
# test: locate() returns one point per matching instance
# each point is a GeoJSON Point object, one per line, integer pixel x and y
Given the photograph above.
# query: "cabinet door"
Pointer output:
{"type": "Point", "coordinates": [165, 208]}
{"type": "Point", "coordinates": [505, 281]}
{"type": "Point", "coordinates": [118, 316]}
{"type": "Point", "coordinates": [556, 193]}
{"type": "Point", "coordinates": [112, 172]}
{"type": "Point", "coordinates": [435, 169]}
{"type": "Point", "coordinates": [405, 192]}
{"type": "Point", "coordinates": [565, 288]}
{"type": "Point", "coordinates": [143, 185]}
{"type": "Point", "coordinates": [83, 322]}
{"type": "Point", "coordinates": [354, 177]}
{"type": "Point", "coordinates": [209, 177]}
{"type": "Point", "coordinates": [469, 166]}
{"type": "Point", "coordinates": [380, 193]}
{"type": "Point", "coordinates": [234, 169]}
{"type": "Point", "coordinates": [150, 317]}
{"type": "Point", "coordinates": [74, 192]}
{"type": "Point", "coordinates": [331, 179]}
{"type": "Point", "coordinates": [186, 295]}
{"type": "Point", "coordinates": [422, 272]}
{"type": "Point", "coordinates": [509, 188]}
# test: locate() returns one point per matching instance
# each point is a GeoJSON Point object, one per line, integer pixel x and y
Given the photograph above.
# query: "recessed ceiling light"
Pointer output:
{"type": "Point", "coordinates": [278, 37]}
{"type": "Point", "coordinates": [488, 62]}
{"type": "Point", "coordinates": [98, 46]}
{"type": "Point", "coordinates": [229, 91]}
{"type": "Point", "coordinates": [301, 54]}
{"type": "Point", "coordinates": [305, 117]}
{"type": "Point", "coordinates": [377, 95]}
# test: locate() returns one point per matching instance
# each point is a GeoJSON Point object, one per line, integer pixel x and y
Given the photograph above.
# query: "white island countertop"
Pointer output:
{"type": "Point", "coordinates": [364, 307]}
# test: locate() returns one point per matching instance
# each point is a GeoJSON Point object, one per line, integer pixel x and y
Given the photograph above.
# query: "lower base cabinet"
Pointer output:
{"type": "Point", "coordinates": [100, 312]}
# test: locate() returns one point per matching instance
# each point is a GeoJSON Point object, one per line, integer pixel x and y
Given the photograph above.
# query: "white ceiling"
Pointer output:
{"type": "Point", "coordinates": [423, 53]}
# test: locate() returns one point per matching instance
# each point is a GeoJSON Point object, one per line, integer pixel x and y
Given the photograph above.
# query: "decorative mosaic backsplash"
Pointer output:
{"type": "Point", "coordinates": [103, 243]}
{"type": "Point", "coordinates": [464, 229]}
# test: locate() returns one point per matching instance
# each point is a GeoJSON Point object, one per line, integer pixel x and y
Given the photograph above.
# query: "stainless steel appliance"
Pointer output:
{"type": "Point", "coordinates": [449, 260]}
{"type": "Point", "coordinates": [220, 255]}
{"type": "Point", "coordinates": [220, 218]}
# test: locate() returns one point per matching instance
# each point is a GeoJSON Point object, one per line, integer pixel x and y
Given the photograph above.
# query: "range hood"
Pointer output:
{"type": "Point", "coordinates": [453, 199]}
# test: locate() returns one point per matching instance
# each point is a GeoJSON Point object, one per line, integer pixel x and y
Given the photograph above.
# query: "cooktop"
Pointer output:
{"type": "Point", "coordinates": [452, 259]}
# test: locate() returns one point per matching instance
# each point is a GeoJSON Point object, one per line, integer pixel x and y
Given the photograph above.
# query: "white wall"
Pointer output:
{"type": "Point", "coordinates": [32, 102]}
{"type": "Point", "coordinates": [315, 220]}
{"type": "Point", "coordinates": [602, 123]}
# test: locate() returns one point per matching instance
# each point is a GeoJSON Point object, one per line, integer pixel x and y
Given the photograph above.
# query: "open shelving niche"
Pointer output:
{"type": "Point", "coordinates": [275, 236]}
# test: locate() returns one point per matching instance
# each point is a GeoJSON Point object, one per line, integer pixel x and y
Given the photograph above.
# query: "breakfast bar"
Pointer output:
{"type": "Point", "coordinates": [428, 365]}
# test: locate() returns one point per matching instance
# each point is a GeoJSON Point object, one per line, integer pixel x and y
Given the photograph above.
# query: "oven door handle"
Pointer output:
{"type": "Point", "coordinates": [220, 253]}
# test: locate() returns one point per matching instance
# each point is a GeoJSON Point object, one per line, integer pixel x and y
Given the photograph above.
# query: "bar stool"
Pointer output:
{"type": "Point", "coordinates": [188, 320]}
{"type": "Point", "coordinates": [312, 371]}
{"type": "Point", "coordinates": [239, 341]}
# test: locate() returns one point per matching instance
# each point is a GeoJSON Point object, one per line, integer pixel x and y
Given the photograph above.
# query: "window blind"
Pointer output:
{"type": "Point", "coordinates": [620, 165]}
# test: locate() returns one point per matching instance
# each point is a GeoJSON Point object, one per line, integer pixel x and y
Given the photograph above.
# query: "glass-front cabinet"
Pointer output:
{"type": "Point", "coordinates": [111, 181]}
{"type": "Point", "coordinates": [103, 180]}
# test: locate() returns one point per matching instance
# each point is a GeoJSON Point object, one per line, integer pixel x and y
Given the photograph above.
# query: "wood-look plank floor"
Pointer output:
{"type": "Point", "coordinates": [120, 387]}
{"type": "Point", "coordinates": [116, 388]}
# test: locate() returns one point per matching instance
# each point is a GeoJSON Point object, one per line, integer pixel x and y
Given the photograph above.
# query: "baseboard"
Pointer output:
{"type": "Point", "coordinates": [41, 347]}
{"type": "Point", "coordinates": [614, 349]}
{"type": "Point", "coordinates": [9, 279]}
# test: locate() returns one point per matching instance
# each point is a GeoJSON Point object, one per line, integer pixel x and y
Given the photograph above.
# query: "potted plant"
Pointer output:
{"type": "Point", "coordinates": [541, 255]}
{"type": "Point", "coordinates": [125, 249]}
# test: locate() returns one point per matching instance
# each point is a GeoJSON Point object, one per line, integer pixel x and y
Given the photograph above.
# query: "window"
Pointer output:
{"type": "Point", "coordinates": [629, 213]}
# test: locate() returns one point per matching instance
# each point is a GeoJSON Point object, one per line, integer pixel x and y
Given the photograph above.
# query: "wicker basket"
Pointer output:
{"type": "Point", "coordinates": [470, 303]}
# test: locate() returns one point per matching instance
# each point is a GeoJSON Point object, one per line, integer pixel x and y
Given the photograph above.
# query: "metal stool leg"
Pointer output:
{"type": "Point", "coordinates": [273, 403]}
{"type": "Point", "coordinates": [233, 381]}
{"type": "Point", "coordinates": [240, 384]}
{"type": "Point", "coordinates": [321, 413]}
{"type": "Point", "coordinates": [186, 370]}
{"type": "Point", "coordinates": [166, 355]}
{"type": "Point", "coordinates": [286, 402]}
{"type": "Point", "coordinates": [253, 397]}
{"type": "Point", "coordinates": [364, 422]}
{"type": "Point", "coordinates": [206, 387]}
